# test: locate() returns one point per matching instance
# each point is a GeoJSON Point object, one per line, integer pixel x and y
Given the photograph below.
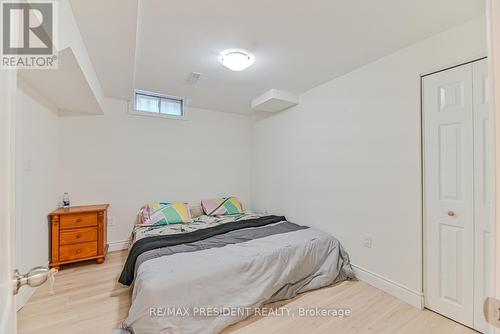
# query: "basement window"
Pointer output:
{"type": "Point", "coordinates": [152, 104]}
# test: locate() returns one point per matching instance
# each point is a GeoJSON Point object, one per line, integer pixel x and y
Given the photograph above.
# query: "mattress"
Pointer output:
{"type": "Point", "coordinates": [184, 280]}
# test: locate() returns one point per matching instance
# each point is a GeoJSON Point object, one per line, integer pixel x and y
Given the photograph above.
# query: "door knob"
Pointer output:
{"type": "Point", "coordinates": [451, 213]}
{"type": "Point", "coordinates": [491, 311]}
{"type": "Point", "coordinates": [35, 277]}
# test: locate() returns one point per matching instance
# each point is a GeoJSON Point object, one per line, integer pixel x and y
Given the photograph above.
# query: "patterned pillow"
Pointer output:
{"type": "Point", "coordinates": [165, 213]}
{"type": "Point", "coordinates": [222, 206]}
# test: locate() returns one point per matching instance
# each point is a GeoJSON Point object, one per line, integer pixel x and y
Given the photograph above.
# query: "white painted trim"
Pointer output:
{"type": "Point", "coordinates": [493, 34]}
{"type": "Point", "coordinates": [414, 298]}
{"type": "Point", "coordinates": [119, 245]}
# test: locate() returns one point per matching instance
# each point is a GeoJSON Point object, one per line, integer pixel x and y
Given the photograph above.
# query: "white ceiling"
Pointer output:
{"type": "Point", "coordinates": [108, 28]}
{"type": "Point", "coordinates": [154, 44]}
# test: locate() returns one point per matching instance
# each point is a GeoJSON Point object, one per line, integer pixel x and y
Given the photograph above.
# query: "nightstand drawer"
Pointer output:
{"type": "Point", "coordinates": [78, 220]}
{"type": "Point", "coordinates": [77, 251]}
{"type": "Point", "coordinates": [78, 235]}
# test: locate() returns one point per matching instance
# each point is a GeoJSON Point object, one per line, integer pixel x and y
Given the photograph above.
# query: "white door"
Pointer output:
{"type": "Point", "coordinates": [482, 192]}
{"type": "Point", "coordinates": [7, 236]}
{"type": "Point", "coordinates": [448, 193]}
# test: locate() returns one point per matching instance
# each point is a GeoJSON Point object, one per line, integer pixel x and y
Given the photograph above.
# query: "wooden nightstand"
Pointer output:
{"type": "Point", "coordinates": [77, 234]}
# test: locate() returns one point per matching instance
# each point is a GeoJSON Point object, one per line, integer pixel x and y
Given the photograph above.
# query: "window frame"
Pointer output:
{"type": "Point", "coordinates": [133, 105]}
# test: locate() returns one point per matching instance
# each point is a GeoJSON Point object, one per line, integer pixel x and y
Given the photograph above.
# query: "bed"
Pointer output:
{"type": "Point", "coordinates": [206, 275]}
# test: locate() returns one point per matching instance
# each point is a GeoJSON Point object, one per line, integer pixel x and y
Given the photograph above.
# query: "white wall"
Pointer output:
{"type": "Point", "coordinates": [347, 159]}
{"type": "Point", "coordinates": [37, 135]}
{"type": "Point", "coordinates": [127, 160]}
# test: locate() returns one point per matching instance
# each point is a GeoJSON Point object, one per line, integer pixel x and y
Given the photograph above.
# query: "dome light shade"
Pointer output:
{"type": "Point", "coordinates": [236, 59]}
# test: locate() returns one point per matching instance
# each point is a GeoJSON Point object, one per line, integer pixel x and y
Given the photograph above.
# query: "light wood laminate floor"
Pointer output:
{"type": "Point", "coordinates": [88, 299]}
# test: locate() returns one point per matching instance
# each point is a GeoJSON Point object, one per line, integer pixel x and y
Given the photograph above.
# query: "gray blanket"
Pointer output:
{"type": "Point", "coordinates": [208, 285]}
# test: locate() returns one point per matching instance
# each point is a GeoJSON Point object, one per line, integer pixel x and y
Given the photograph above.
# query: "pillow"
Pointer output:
{"type": "Point", "coordinates": [165, 213]}
{"type": "Point", "coordinates": [222, 206]}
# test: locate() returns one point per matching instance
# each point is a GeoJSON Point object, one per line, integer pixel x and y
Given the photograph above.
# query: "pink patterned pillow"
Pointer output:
{"type": "Point", "coordinates": [164, 213]}
{"type": "Point", "coordinates": [222, 206]}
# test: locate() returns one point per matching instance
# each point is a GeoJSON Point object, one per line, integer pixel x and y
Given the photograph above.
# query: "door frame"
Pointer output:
{"type": "Point", "coordinates": [493, 29]}
{"type": "Point", "coordinates": [8, 86]}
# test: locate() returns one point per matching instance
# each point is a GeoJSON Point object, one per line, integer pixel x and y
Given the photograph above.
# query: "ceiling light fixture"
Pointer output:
{"type": "Point", "coordinates": [236, 59]}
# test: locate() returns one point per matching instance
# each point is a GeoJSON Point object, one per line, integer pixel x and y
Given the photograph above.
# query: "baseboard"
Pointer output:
{"type": "Point", "coordinates": [397, 290]}
{"type": "Point", "coordinates": [114, 246]}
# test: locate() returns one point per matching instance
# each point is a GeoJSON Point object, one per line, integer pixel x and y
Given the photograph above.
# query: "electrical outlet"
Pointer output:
{"type": "Point", "coordinates": [367, 241]}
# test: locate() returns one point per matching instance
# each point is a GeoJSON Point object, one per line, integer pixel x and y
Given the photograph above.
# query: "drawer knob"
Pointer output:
{"type": "Point", "coordinates": [451, 213]}
{"type": "Point", "coordinates": [78, 236]}
{"type": "Point", "coordinates": [78, 251]}
{"type": "Point", "coordinates": [79, 220]}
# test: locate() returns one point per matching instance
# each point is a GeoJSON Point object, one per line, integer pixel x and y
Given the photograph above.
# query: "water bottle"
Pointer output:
{"type": "Point", "coordinates": [66, 200]}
